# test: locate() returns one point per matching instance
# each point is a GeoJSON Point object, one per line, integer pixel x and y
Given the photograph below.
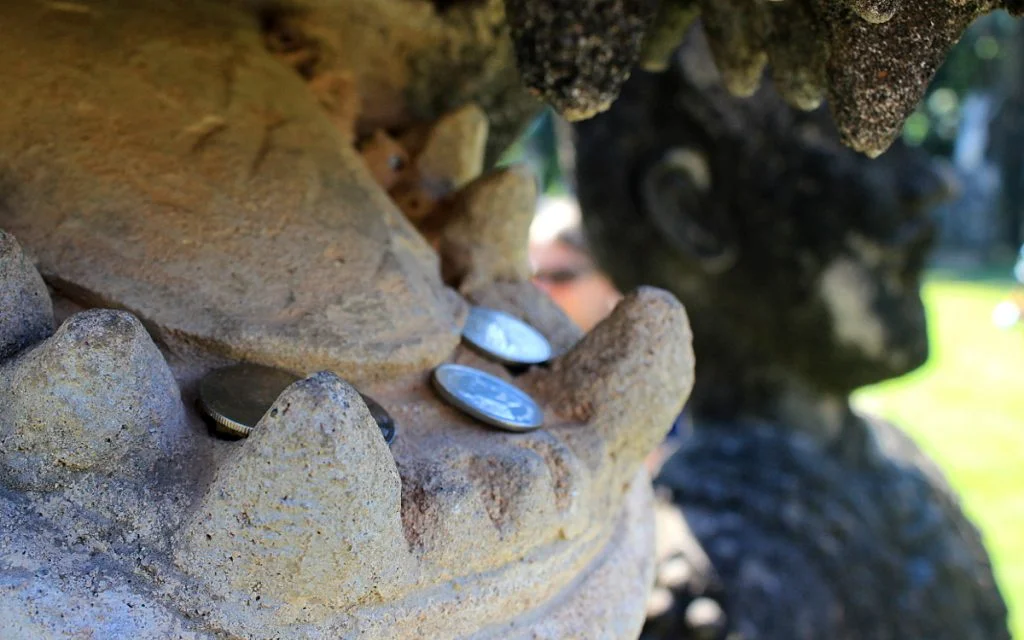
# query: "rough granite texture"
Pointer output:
{"type": "Point", "coordinates": [26, 314]}
{"type": "Point", "coordinates": [872, 59]}
{"type": "Point", "coordinates": [91, 398]}
{"type": "Point", "coordinates": [203, 177]}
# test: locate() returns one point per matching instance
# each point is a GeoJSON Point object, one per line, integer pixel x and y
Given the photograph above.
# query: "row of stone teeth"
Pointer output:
{"type": "Point", "coordinates": [872, 59]}
{"type": "Point", "coordinates": [96, 397]}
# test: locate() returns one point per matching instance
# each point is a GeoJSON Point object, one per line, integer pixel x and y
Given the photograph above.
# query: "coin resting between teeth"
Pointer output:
{"type": "Point", "coordinates": [505, 338]}
{"type": "Point", "coordinates": [510, 341]}
{"type": "Point", "coordinates": [237, 397]}
{"type": "Point", "coordinates": [487, 398]}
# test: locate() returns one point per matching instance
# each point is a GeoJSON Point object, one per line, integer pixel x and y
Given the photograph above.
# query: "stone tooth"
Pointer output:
{"type": "Point", "coordinates": [670, 26]}
{"type": "Point", "coordinates": [26, 312]}
{"type": "Point", "coordinates": [736, 35]}
{"type": "Point", "coordinates": [487, 230]}
{"type": "Point", "coordinates": [308, 511]}
{"type": "Point", "coordinates": [454, 151]}
{"type": "Point", "coordinates": [97, 396]}
{"type": "Point", "coordinates": [627, 379]}
{"type": "Point", "coordinates": [798, 54]}
{"type": "Point", "coordinates": [879, 72]}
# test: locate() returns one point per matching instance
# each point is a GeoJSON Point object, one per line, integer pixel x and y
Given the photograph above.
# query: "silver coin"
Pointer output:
{"type": "Point", "coordinates": [237, 397]}
{"type": "Point", "coordinates": [487, 398]}
{"type": "Point", "coordinates": [505, 337]}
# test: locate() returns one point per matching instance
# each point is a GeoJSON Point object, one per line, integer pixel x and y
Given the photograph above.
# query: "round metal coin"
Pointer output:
{"type": "Point", "coordinates": [487, 398]}
{"type": "Point", "coordinates": [237, 397]}
{"type": "Point", "coordinates": [505, 338]}
{"type": "Point", "coordinates": [387, 425]}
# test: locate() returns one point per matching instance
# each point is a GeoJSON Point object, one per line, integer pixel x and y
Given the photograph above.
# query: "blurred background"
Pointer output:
{"type": "Point", "coordinates": [965, 407]}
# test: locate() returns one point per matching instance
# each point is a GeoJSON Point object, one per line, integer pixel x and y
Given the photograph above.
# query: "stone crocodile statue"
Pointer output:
{"type": "Point", "coordinates": [799, 262]}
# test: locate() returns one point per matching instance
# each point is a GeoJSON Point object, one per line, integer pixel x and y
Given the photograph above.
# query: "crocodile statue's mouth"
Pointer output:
{"type": "Point", "coordinates": [190, 202]}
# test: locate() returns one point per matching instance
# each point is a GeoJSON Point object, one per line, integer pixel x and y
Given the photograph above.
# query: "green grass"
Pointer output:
{"type": "Point", "coordinates": [966, 409]}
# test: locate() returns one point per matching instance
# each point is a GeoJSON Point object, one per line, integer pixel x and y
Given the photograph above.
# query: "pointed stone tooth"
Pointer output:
{"type": "Point", "coordinates": [577, 54]}
{"type": "Point", "coordinates": [524, 300]}
{"type": "Point", "coordinates": [875, 11]}
{"type": "Point", "coordinates": [487, 230]}
{"type": "Point", "coordinates": [308, 511]}
{"type": "Point", "coordinates": [670, 26]}
{"type": "Point", "coordinates": [879, 72]}
{"type": "Point", "coordinates": [454, 151]}
{"type": "Point", "coordinates": [94, 397]}
{"type": "Point", "coordinates": [798, 54]}
{"type": "Point", "coordinates": [627, 379]}
{"type": "Point", "coordinates": [736, 35]}
{"type": "Point", "coordinates": [26, 312]}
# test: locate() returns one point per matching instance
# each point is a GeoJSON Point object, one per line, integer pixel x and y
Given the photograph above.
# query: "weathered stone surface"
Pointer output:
{"type": "Point", "coordinates": [313, 494]}
{"type": "Point", "coordinates": [26, 312]}
{"type": "Point", "coordinates": [872, 58]}
{"type": "Point", "coordinates": [412, 62]}
{"type": "Point", "coordinates": [577, 53]}
{"type": "Point", "coordinates": [123, 190]}
{"type": "Point", "coordinates": [94, 397]}
{"type": "Point", "coordinates": [883, 549]}
{"type": "Point", "coordinates": [430, 163]}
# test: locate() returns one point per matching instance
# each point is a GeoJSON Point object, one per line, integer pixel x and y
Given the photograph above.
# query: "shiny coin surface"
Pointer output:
{"type": "Point", "coordinates": [487, 398]}
{"type": "Point", "coordinates": [387, 425]}
{"type": "Point", "coordinates": [236, 397]}
{"type": "Point", "coordinates": [505, 338]}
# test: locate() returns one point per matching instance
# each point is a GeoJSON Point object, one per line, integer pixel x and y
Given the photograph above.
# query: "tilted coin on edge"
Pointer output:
{"type": "Point", "coordinates": [238, 396]}
{"type": "Point", "coordinates": [487, 398]}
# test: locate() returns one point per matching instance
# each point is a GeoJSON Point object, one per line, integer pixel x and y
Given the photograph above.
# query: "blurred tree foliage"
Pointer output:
{"type": "Point", "coordinates": [988, 61]}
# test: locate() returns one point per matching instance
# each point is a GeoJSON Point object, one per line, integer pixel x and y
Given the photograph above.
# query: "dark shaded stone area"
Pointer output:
{"type": "Point", "coordinates": [799, 262]}
{"type": "Point", "coordinates": [810, 542]}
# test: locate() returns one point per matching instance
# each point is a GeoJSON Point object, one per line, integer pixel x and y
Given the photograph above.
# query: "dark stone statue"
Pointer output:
{"type": "Point", "coordinates": [799, 263]}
